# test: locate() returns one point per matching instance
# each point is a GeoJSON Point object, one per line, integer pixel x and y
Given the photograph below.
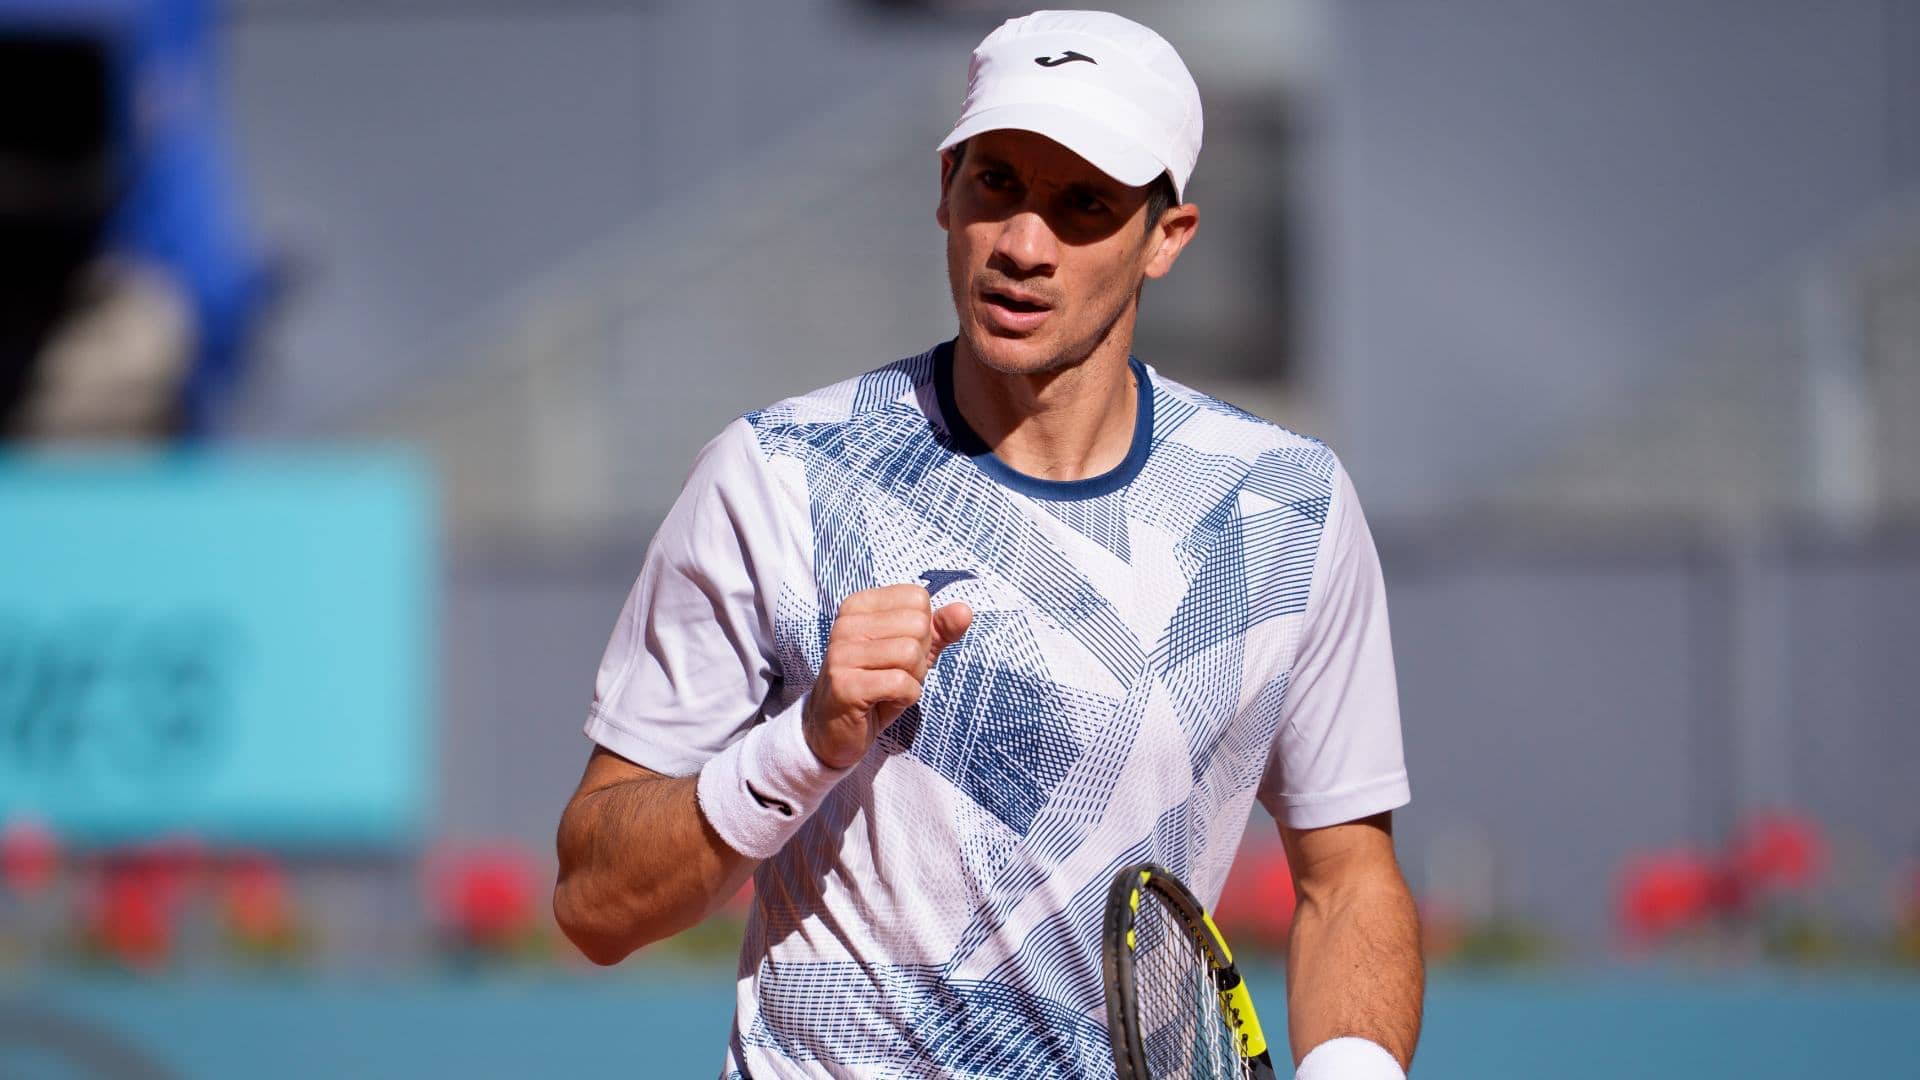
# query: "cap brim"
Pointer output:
{"type": "Point", "coordinates": [1101, 146]}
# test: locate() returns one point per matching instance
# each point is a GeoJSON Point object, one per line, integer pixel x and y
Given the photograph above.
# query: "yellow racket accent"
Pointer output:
{"type": "Point", "coordinates": [1139, 1003]}
{"type": "Point", "coordinates": [1239, 1005]}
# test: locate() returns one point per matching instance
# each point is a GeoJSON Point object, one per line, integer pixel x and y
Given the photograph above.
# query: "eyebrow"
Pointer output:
{"type": "Point", "coordinates": [1103, 188]}
{"type": "Point", "coordinates": [980, 157]}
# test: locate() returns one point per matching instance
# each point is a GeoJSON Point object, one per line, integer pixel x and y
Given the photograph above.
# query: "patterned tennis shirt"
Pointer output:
{"type": "Point", "coordinates": [1152, 650]}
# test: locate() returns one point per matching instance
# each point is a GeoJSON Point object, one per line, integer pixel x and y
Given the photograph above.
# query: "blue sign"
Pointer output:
{"type": "Point", "coordinates": [235, 648]}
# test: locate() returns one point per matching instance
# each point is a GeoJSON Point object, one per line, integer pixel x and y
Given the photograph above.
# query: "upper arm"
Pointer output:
{"type": "Point", "coordinates": [605, 769]}
{"type": "Point", "coordinates": [1336, 755]}
{"type": "Point", "coordinates": [693, 659]}
{"type": "Point", "coordinates": [1333, 857]}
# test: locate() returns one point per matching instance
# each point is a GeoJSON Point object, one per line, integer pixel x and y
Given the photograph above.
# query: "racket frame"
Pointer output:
{"type": "Point", "coordinates": [1117, 970]}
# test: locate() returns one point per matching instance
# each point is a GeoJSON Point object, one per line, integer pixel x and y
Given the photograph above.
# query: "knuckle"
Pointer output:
{"type": "Point", "coordinates": [908, 594]}
{"type": "Point", "coordinates": [909, 688]}
{"type": "Point", "coordinates": [913, 625]}
{"type": "Point", "coordinates": [863, 601]}
{"type": "Point", "coordinates": [903, 653]}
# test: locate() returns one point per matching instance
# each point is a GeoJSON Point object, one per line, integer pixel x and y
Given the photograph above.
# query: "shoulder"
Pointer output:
{"type": "Point", "coordinates": [771, 452]}
{"type": "Point", "coordinates": [904, 382]}
{"type": "Point", "coordinates": [1287, 465]}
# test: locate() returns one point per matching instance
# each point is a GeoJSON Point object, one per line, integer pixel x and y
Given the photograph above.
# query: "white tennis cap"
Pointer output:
{"type": "Point", "coordinates": [1104, 87]}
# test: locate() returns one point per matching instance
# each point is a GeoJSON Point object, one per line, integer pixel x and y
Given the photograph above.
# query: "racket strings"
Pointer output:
{"type": "Point", "coordinates": [1183, 1030]}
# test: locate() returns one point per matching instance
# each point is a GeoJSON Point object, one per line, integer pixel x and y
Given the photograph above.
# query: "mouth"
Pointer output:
{"type": "Point", "coordinates": [1016, 301]}
{"type": "Point", "coordinates": [1014, 310]}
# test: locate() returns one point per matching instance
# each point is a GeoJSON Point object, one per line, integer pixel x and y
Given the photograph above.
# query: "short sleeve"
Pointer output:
{"type": "Point", "coordinates": [1336, 755]}
{"type": "Point", "coordinates": [692, 658]}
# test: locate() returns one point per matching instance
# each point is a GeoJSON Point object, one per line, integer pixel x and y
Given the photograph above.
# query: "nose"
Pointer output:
{"type": "Point", "coordinates": [1027, 244]}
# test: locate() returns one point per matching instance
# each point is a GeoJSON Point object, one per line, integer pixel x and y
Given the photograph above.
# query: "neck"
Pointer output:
{"type": "Point", "coordinates": [1069, 423]}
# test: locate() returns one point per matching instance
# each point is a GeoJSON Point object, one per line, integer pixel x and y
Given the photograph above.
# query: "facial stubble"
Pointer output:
{"type": "Point", "coordinates": [1074, 354]}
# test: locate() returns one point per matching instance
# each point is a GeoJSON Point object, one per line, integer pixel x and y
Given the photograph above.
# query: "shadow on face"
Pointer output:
{"type": "Point", "coordinates": [998, 175]}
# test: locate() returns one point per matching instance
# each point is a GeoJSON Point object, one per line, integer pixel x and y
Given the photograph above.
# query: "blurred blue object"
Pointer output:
{"type": "Point", "coordinates": [236, 649]}
{"type": "Point", "coordinates": [180, 207]}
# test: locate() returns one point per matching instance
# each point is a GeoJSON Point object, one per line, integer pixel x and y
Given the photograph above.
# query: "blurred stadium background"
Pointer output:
{"type": "Point", "coordinates": [351, 349]}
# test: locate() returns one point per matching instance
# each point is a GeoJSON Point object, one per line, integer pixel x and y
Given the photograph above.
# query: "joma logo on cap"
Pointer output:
{"type": "Point", "coordinates": [1067, 57]}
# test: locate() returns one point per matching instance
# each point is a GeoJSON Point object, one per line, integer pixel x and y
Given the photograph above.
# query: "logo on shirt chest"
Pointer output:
{"type": "Point", "coordinates": [940, 579]}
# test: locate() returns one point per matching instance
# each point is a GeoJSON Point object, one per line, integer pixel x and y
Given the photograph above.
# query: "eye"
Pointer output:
{"type": "Point", "coordinates": [995, 179]}
{"type": "Point", "coordinates": [1085, 202]}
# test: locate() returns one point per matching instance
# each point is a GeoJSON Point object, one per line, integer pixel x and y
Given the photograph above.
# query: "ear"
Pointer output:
{"type": "Point", "coordinates": [940, 212]}
{"type": "Point", "coordinates": [1170, 236]}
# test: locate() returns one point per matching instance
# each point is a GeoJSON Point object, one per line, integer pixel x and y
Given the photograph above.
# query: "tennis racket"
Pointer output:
{"type": "Point", "coordinates": [1176, 1007]}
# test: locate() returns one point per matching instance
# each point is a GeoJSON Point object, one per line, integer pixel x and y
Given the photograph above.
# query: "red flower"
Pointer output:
{"type": "Point", "coordinates": [1664, 892]}
{"type": "Point", "coordinates": [29, 856]}
{"type": "Point", "coordinates": [1730, 891]}
{"type": "Point", "coordinates": [256, 901]}
{"type": "Point", "coordinates": [1778, 851]}
{"type": "Point", "coordinates": [486, 895]}
{"type": "Point", "coordinates": [130, 917]}
{"type": "Point", "coordinates": [169, 867]}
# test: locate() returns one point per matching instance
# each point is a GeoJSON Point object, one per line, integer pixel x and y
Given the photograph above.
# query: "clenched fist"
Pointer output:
{"type": "Point", "coordinates": [882, 644]}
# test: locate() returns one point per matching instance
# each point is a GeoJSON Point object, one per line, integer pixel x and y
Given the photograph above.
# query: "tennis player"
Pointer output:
{"type": "Point", "coordinates": [932, 652]}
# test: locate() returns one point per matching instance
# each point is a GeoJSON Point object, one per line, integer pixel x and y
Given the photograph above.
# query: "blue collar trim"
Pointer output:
{"type": "Point", "coordinates": [967, 442]}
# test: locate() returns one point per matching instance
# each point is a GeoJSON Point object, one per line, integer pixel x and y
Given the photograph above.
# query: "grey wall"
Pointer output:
{"type": "Point", "coordinates": [424, 166]}
{"type": "Point", "coordinates": [1547, 707]}
{"type": "Point", "coordinates": [1521, 203]}
{"type": "Point", "coordinates": [522, 643]}
{"type": "Point", "coordinates": [1510, 208]}
{"type": "Point", "coordinates": [1855, 735]}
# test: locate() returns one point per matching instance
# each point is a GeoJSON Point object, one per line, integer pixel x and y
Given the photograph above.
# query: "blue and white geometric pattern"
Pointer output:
{"type": "Point", "coordinates": [1115, 699]}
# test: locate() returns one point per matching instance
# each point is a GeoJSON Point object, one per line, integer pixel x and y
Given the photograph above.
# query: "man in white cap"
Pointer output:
{"type": "Point", "coordinates": [931, 653]}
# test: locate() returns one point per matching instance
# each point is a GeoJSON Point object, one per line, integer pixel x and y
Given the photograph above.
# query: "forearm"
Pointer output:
{"type": "Point", "coordinates": [1354, 968]}
{"type": "Point", "coordinates": [638, 863]}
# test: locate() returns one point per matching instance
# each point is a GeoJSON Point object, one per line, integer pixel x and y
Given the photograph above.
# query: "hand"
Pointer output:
{"type": "Point", "coordinates": [882, 644]}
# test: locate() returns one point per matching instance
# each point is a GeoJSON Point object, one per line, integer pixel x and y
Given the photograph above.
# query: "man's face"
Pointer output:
{"type": "Point", "coordinates": [1045, 253]}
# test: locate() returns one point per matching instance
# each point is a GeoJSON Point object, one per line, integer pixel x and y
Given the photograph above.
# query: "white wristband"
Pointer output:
{"type": "Point", "coordinates": [1349, 1058]}
{"type": "Point", "coordinates": [758, 792]}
